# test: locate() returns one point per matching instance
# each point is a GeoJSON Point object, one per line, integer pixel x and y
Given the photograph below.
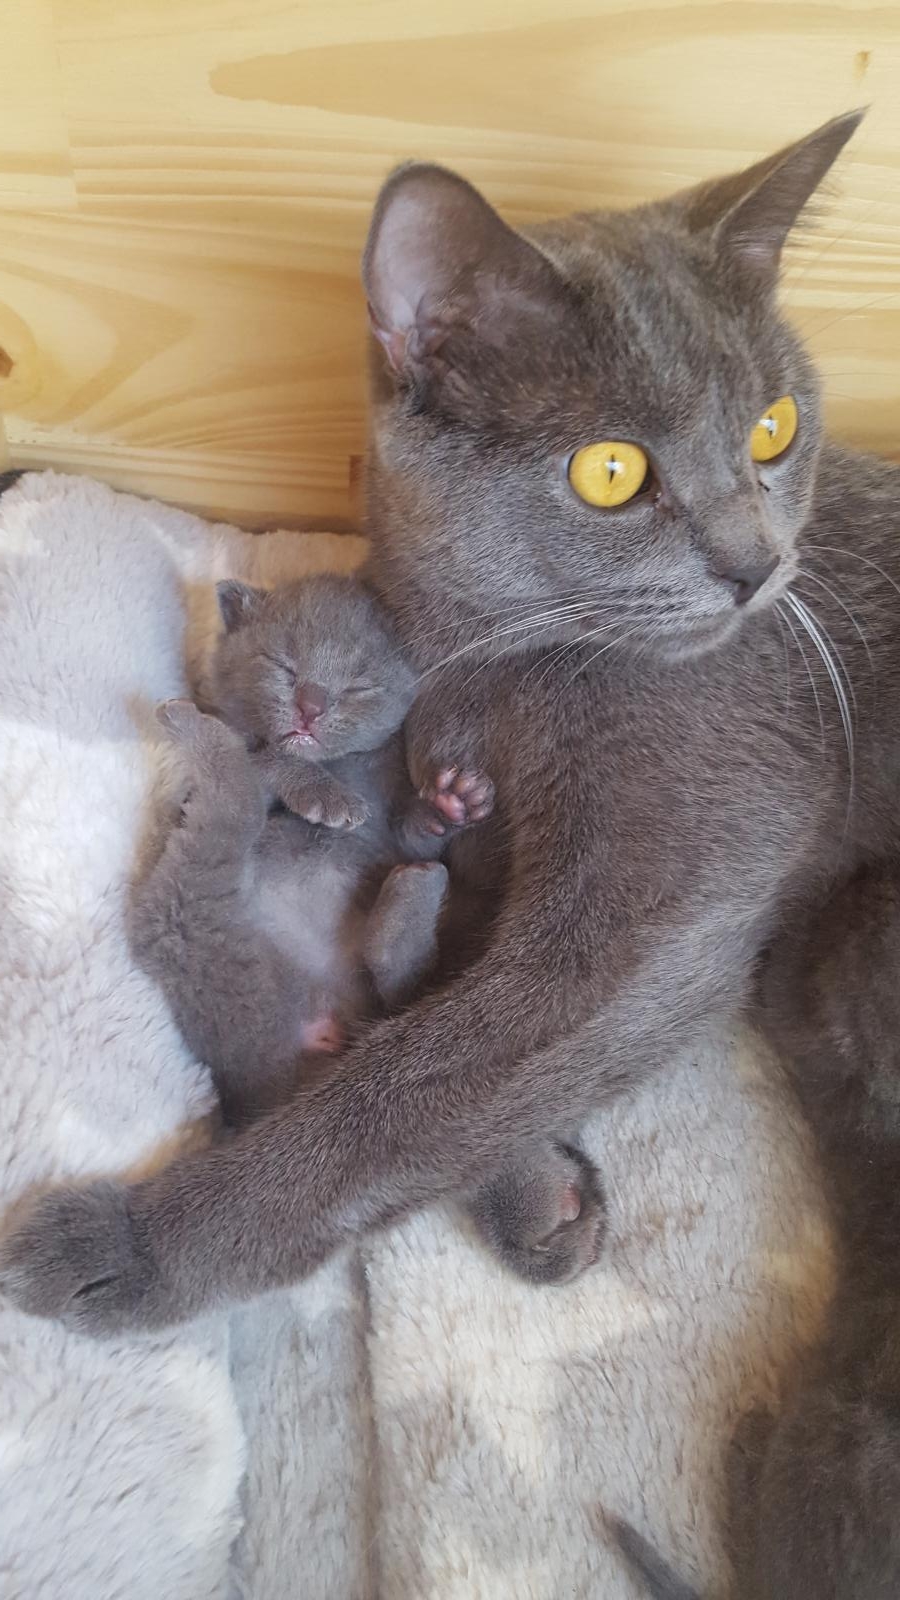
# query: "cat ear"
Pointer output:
{"type": "Point", "coordinates": [751, 213]}
{"type": "Point", "coordinates": [237, 602]}
{"type": "Point", "coordinates": [441, 266]}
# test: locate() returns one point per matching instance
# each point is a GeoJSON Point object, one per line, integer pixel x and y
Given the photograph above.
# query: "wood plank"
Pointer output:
{"type": "Point", "coordinates": [35, 169]}
{"type": "Point", "coordinates": [183, 313]}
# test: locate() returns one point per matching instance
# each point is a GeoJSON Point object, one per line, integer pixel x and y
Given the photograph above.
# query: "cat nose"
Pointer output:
{"type": "Point", "coordinates": [747, 581]}
{"type": "Point", "coordinates": [311, 700]}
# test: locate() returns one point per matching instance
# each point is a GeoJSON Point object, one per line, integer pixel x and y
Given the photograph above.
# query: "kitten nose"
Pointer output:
{"type": "Point", "coordinates": [747, 581]}
{"type": "Point", "coordinates": [311, 700]}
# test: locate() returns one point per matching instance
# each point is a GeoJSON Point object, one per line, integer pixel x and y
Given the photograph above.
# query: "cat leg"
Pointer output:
{"type": "Point", "coordinates": [400, 948]}
{"type": "Point", "coordinates": [543, 1214]}
{"type": "Point", "coordinates": [310, 791]}
{"type": "Point", "coordinates": [449, 800]}
{"type": "Point", "coordinates": [417, 1111]}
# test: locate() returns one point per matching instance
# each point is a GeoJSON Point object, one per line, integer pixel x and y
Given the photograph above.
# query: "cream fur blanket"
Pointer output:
{"type": "Point", "coordinates": [411, 1424]}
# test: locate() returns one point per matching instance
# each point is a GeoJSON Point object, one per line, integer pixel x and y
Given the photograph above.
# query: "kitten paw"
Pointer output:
{"type": "Point", "coordinates": [326, 810]}
{"type": "Point", "coordinates": [213, 749]}
{"type": "Point", "coordinates": [76, 1257]}
{"type": "Point", "coordinates": [545, 1217]}
{"type": "Point", "coordinates": [180, 718]}
{"type": "Point", "coordinates": [457, 799]}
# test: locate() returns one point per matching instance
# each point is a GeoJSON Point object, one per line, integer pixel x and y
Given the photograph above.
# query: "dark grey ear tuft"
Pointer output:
{"type": "Point", "coordinates": [751, 213]}
{"type": "Point", "coordinates": [237, 602]}
{"type": "Point", "coordinates": [441, 268]}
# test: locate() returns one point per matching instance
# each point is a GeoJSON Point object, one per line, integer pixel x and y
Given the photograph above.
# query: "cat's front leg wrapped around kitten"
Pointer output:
{"type": "Point", "coordinates": [310, 791]}
{"type": "Point", "coordinates": [425, 1105]}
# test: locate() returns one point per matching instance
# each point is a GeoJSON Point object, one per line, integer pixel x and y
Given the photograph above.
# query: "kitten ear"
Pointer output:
{"type": "Point", "coordinates": [237, 602]}
{"type": "Point", "coordinates": [751, 213]}
{"type": "Point", "coordinates": [440, 266]}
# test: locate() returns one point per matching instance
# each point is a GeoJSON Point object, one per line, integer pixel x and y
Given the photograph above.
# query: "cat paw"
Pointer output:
{"type": "Point", "coordinates": [75, 1257]}
{"type": "Point", "coordinates": [545, 1217]}
{"type": "Point", "coordinates": [181, 718]}
{"type": "Point", "coordinates": [457, 799]}
{"type": "Point", "coordinates": [346, 811]}
{"type": "Point", "coordinates": [210, 743]}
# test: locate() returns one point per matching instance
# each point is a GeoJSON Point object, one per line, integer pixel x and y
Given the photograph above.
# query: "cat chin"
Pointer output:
{"type": "Point", "coordinates": [698, 640]}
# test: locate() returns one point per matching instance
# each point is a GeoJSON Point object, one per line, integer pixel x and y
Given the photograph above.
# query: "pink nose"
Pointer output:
{"type": "Point", "coordinates": [311, 700]}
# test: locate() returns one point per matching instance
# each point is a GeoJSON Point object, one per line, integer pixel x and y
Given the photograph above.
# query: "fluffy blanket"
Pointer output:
{"type": "Point", "coordinates": [411, 1424]}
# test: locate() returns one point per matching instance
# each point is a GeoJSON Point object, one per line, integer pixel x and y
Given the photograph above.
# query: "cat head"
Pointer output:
{"type": "Point", "coordinates": [604, 429]}
{"type": "Point", "coordinates": [310, 667]}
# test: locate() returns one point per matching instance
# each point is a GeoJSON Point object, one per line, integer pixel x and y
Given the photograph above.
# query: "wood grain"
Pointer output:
{"type": "Point", "coordinates": [185, 185]}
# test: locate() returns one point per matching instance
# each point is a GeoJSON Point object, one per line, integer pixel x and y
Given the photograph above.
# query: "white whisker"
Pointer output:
{"type": "Point", "coordinates": [812, 577]}
{"type": "Point", "coordinates": [838, 676]}
{"type": "Point", "coordinates": [522, 608]}
{"type": "Point", "coordinates": [812, 682]}
{"type": "Point", "coordinates": [787, 665]}
{"type": "Point", "coordinates": [549, 662]}
{"type": "Point", "coordinates": [598, 653]}
{"type": "Point", "coordinates": [835, 550]}
{"type": "Point", "coordinates": [834, 655]}
{"type": "Point", "coordinates": [536, 623]}
{"type": "Point", "coordinates": [498, 655]}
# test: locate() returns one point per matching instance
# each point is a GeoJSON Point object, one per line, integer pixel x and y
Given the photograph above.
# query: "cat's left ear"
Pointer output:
{"type": "Point", "coordinates": [751, 213]}
{"type": "Point", "coordinates": [237, 602]}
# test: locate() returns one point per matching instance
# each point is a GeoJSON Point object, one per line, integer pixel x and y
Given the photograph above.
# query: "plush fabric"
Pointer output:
{"type": "Point", "coordinates": [411, 1423]}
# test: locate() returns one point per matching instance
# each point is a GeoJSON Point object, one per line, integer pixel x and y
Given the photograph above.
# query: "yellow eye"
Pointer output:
{"type": "Point", "coordinates": [608, 474]}
{"type": "Point", "coordinates": [774, 430]}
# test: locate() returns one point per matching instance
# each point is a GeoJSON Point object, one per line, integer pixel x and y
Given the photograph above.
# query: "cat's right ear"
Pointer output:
{"type": "Point", "coordinates": [237, 602]}
{"type": "Point", "coordinates": [441, 269]}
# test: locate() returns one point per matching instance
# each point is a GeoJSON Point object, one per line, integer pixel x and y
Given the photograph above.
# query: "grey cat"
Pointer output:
{"type": "Point", "coordinates": [816, 1493]}
{"type": "Point", "coordinates": [616, 545]}
{"type": "Point", "coordinates": [271, 934]}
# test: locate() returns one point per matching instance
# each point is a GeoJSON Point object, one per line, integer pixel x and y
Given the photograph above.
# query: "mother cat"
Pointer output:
{"type": "Point", "coordinates": [599, 482]}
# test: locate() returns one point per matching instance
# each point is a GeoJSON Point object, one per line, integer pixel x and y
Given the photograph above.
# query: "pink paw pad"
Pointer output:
{"type": "Point", "coordinates": [460, 797]}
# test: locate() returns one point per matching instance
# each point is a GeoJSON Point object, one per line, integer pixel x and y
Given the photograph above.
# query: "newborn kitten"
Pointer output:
{"type": "Point", "coordinates": [816, 1493]}
{"type": "Point", "coordinates": [270, 933]}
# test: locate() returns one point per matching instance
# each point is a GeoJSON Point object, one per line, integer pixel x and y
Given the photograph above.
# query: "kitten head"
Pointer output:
{"type": "Point", "coordinates": [310, 667]}
{"type": "Point", "coordinates": [605, 429]}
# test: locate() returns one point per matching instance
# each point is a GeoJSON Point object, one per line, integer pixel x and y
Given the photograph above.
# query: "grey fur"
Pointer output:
{"type": "Point", "coordinates": [816, 1491]}
{"type": "Point", "coordinates": [256, 923]}
{"type": "Point", "coordinates": [259, 926]}
{"type": "Point", "coordinates": [661, 806]}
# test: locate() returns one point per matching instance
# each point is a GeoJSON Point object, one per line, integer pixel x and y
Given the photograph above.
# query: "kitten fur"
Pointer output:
{"type": "Point", "coordinates": [816, 1493]}
{"type": "Point", "coordinates": [269, 935]}
{"type": "Point", "coordinates": [645, 686]}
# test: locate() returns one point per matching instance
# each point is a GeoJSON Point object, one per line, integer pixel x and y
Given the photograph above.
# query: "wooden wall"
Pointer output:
{"type": "Point", "coordinates": [184, 189]}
